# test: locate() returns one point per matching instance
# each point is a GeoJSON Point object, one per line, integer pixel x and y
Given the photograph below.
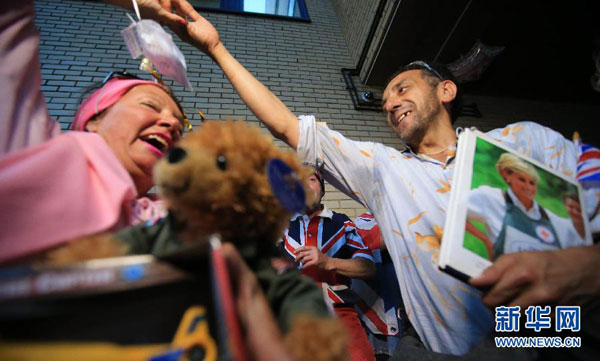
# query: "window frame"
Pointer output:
{"type": "Point", "coordinates": [301, 5]}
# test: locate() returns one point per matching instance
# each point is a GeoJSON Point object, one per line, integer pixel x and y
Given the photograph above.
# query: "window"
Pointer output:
{"type": "Point", "coordinates": [295, 9]}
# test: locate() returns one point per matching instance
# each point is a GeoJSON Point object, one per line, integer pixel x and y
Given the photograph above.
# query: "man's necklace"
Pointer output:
{"type": "Point", "coordinates": [438, 152]}
{"type": "Point", "coordinates": [433, 153]}
{"type": "Point", "coordinates": [458, 131]}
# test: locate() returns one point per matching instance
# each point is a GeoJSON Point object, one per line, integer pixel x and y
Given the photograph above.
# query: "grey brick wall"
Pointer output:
{"type": "Point", "coordinates": [355, 17]}
{"type": "Point", "coordinates": [387, 15]}
{"type": "Point", "coordinates": [300, 62]}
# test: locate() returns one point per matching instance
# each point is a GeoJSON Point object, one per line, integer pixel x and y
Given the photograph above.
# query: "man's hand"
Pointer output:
{"type": "Point", "coordinates": [158, 10]}
{"type": "Point", "coordinates": [565, 277]}
{"type": "Point", "coordinates": [161, 11]}
{"type": "Point", "coordinates": [199, 32]}
{"type": "Point", "coordinates": [311, 256]}
{"type": "Point", "coordinates": [352, 267]}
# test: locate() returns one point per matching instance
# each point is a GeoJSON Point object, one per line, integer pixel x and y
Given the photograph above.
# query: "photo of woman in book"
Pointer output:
{"type": "Point", "coordinates": [513, 219]}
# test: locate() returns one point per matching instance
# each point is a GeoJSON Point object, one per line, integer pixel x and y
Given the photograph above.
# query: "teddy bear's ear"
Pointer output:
{"type": "Point", "coordinates": [286, 185]}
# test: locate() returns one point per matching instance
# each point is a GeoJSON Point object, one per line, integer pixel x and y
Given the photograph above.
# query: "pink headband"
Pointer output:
{"type": "Point", "coordinates": [104, 97]}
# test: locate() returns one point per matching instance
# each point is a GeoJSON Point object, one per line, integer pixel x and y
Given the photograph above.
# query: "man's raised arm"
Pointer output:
{"type": "Point", "coordinates": [275, 115]}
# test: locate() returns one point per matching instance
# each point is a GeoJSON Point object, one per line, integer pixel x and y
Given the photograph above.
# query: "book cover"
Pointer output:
{"type": "Point", "coordinates": [505, 202]}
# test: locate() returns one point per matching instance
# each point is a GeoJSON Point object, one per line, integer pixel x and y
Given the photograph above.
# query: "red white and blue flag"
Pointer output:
{"type": "Point", "coordinates": [588, 165]}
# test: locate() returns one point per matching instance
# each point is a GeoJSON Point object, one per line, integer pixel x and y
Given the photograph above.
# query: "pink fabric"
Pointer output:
{"type": "Point", "coordinates": [104, 97]}
{"type": "Point", "coordinates": [53, 190]}
{"type": "Point", "coordinates": [70, 186]}
{"type": "Point", "coordinates": [24, 119]}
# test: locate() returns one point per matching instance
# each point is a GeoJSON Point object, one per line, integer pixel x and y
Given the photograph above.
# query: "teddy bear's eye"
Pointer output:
{"type": "Point", "coordinates": [222, 162]}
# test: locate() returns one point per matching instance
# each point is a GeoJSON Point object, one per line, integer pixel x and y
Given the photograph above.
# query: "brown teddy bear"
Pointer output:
{"type": "Point", "coordinates": [216, 180]}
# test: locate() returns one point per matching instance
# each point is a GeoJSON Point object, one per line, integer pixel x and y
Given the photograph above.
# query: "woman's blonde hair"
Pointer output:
{"type": "Point", "coordinates": [515, 164]}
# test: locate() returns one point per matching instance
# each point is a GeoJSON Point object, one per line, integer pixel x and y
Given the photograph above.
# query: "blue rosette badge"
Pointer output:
{"type": "Point", "coordinates": [286, 185]}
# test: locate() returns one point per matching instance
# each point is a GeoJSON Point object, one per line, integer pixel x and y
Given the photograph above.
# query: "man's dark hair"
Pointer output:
{"type": "Point", "coordinates": [434, 73]}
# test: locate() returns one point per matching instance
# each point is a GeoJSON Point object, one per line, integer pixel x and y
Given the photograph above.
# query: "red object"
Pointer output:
{"type": "Point", "coordinates": [360, 348]}
{"type": "Point", "coordinates": [225, 304]}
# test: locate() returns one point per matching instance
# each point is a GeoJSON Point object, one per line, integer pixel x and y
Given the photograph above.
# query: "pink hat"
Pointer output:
{"type": "Point", "coordinates": [105, 97]}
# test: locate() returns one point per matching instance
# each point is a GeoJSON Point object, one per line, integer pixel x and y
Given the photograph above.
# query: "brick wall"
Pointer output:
{"type": "Point", "coordinates": [355, 18]}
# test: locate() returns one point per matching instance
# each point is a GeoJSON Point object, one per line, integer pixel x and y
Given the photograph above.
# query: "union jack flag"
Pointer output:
{"type": "Point", "coordinates": [379, 300]}
{"type": "Point", "coordinates": [588, 165]}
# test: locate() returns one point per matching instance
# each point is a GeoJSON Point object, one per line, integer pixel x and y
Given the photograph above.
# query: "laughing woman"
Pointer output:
{"type": "Point", "coordinates": [57, 187]}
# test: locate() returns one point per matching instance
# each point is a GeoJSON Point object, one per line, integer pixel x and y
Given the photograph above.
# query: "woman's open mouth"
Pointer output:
{"type": "Point", "coordinates": [157, 143]}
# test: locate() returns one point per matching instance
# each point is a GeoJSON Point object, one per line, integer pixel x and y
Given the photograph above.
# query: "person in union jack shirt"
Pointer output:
{"type": "Point", "coordinates": [327, 248]}
{"type": "Point", "coordinates": [380, 304]}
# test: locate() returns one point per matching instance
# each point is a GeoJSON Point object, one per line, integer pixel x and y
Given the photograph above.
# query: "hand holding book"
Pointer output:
{"type": "Point", "coordinates": [564, 277]}
{"type": "Point", "coordinates": [504, 202]}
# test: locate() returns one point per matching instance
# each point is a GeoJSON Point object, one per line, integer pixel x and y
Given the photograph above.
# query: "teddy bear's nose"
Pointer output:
{"type": "Point", "coordinates": [176, 154]}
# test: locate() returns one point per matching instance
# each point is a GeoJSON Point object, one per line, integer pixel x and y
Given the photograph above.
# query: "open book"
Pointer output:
{"type": "Point", "coordinates": [505, 202]}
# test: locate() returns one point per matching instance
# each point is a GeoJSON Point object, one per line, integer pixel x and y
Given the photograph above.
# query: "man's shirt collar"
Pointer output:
{"type": "Point", "coordinates": [325, 213]}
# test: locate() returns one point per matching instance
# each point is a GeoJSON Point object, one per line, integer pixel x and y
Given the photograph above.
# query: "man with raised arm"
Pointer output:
{"type": "Point", "coordinates": [408, 191]}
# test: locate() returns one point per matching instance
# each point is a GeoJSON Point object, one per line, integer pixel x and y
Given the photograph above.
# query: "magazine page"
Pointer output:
{"type": "Point", "coordinates": [504, 202]}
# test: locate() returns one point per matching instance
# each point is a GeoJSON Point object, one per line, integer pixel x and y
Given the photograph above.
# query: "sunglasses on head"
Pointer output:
{"type": "Point", "coordinates": [125, 75]}
{"type": "Point", "coordinates": [119, 75]}
{"type": "Point", "coordinates": [419, 64]}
